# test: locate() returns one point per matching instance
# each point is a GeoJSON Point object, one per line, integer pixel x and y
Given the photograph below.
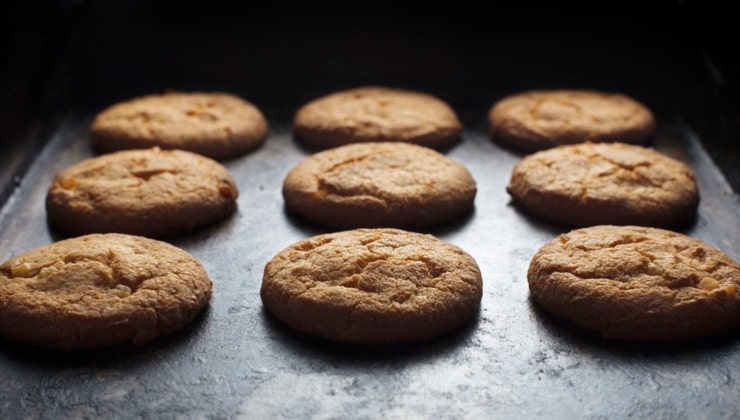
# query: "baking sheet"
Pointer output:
{"type": "Point", "coordinates": [512, 361]}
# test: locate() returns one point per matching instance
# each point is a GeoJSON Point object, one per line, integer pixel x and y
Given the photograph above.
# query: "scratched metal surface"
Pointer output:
{"type": "Point", "coordinates": [513, 361]}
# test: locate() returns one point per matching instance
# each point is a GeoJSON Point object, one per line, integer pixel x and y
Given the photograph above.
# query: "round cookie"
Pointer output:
{"type": "Point", "coordinates": [383, 184]}
{"type": "Point", "coordinates": [540, 119]}
{"type": "Point", "coordinates": [376, 113]}
{"type": "Point", "coordinates": [100, 290]}
{"type": "Point", "coordinates": [372, 286]}
{"type": "Point", "coordinates": [605, 183]}
{"type": "Point", "coordinates": [150, 192]}
{"type": "Point", "coordinates": [637, 283]}
{"type": "Point", "coordinates": [217, 125]}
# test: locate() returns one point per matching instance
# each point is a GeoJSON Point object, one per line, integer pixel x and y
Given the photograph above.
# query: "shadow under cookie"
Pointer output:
{"type": "Point", "coordinates": [317, 348]}
{"type": "Point", "coordinates": [575, 336]}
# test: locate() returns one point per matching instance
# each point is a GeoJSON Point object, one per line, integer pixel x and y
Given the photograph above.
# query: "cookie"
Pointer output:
{"type": "Point", "coordinates": [605, 183]}
{"type": "Point", "coordinates": [374, 114]}
{"type": "Point", "coordinates": [637, 283]}
{"type": "Point", "coordinates": [372, 286]}
{"type": "Point", "coordinates": [217, 125]}
{"type": "Point", "coordinates": [382, 184]}
{"type": "Point", "coordinates": [541, 119]}
{"type": "Point", "coordinates": [150, 192]}
{"type": "Point", "coordinates": [100, 290]}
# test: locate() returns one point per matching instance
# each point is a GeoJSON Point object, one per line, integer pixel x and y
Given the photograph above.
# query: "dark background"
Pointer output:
{"type": "Point", "coordinates": [676, 56]}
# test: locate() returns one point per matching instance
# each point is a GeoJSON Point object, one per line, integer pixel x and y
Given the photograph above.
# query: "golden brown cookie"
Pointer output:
{"type": "Point", "coordinates": [372, 286]}
{"type": "Point", "coordinates": [605, 183]}
{"type": "Point", "coordinates": [377, 113]}
{"type": "Point", "coordinates": [217, 125]}
{"type": "Point", "coordinates": [540, 119]}
{"type": "Point", "coordinates": [637, 283]}
{"type": "Point", "coordinates": [100, 290]}
{"type": "Point", "coordinates": [379, 185]}
{"type": "Point", "coordinates": [149, 192]}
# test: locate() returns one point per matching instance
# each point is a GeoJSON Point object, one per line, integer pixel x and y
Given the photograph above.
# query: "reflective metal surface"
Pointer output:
{"type": "Point", "coordinates": [513, 361]}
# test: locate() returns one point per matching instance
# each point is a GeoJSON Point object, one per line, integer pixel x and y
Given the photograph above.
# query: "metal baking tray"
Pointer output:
{"type": "Point", "coordinates": [512, 361]}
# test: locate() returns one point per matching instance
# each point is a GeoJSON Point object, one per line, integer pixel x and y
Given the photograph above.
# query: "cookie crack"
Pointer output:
{"type": "Point", "coordinates": [434, 269]}
{"type": "Point", "coordinates": [632, 281]}
{"type": "Point", "coordinates": [139, 117]}
{"type": "Point", "coordinates": [347, 162]}
{"type": "Point", "coordinates": [118, 281]}
{"type": "Point", "coordinates": [146, 174]}
{"type": "Point", "coordinates": [326, 188]}
{"type": "Point", "coordinates": [705, 279]}
{"type": "Point", "coordinates": [595, 119]}
{"type": "Point", "coordinates": [201, 115]}
{"type": "Point", "coordinates": [314, 243]}
{"type": "Point", "coordinates": [377, 107]}
{"type": "Point", "coordinates": [427, 282]}
{"type": "Point", "coordinates": [622, 165]}
{"type": "Point", "coordinates": [113, 282]}
{"type": "Point", "coordinates": [605, 246]}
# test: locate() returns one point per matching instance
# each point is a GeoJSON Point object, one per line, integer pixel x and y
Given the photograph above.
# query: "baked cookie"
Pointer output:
{"type": "Point", "coordinates": [100, 290]}
{"type": "Point", "coordinates": [376, 113]}
{"type": "Point", "coordinates": [148, 192]}
{"type": "Point", "coordinates": [605, 183]}
{"type": "Point", "coordinates": [372, 286]}
{"type": "Point", "coordinates": [540, 119]}
{"type": "Point", "coordinates": [637, 283]}
{"type": "Point", "coordinates": [217, 125]}
{"type": "Point", "coordinates": [383, 184]}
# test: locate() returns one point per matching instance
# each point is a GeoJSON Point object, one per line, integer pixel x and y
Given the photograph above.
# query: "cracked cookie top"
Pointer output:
{"type": "Point", "coordinates": [605, 183]}
{"type": "Point", "coordinates": [379, 185]}
{"type": "Point", "coordinates": [374, 286]}
{"type": "Point", "coordinates": [540, 119]}
{"type": "Point", "coordinates": [99, 290]}
{"type": "Point", "coordinates": [149, 192]}
{"type": "Point", "coordinates": [630, 282]}
{"type": "Point", "coordinates": [214, 124]}
{"type": "Point", "coordinates": [377, 113]}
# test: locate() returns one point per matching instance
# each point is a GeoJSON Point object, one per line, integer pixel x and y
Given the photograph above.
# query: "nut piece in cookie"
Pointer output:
{"type": "Point", "coordinates": [637, 283]}
{"type": "Point", "coordinates": [386, 184]}
{"type": "Point", "coordinates": [149, 192]}
{"type": "Point", "coordinates": [100, 290]}
{"type": "Point", "coordinates": [374, 114]}
{"type": "Point", "coordinates": [372, 286]}
{"type": "Point", "coordinates": [605, 183]}
{"type": "Point", "coordinates": [214, 124]}
{"type": "Point", "coordinates": [539, 119]}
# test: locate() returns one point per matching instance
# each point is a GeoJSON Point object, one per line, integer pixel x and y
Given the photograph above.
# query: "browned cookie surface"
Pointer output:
{"type": "Point", "coordinates": [100, 290]}
{"type": "Point", "coordinates": [540, 119]}
{"type": "Point", "coordinates": [214, 124]}
{"type": "Point", "coordinates": [145, 192]}
{"type": "Point", "coordinates": [637, 283]}
{"type": "Point", "coordinates": [605, 183]}
{"type": "Point", "coordinates": [373, 286]}
{"type": "Point", "coordinates": [377, 113]}
{"type": "Point", "coordinates": [379, 185]}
